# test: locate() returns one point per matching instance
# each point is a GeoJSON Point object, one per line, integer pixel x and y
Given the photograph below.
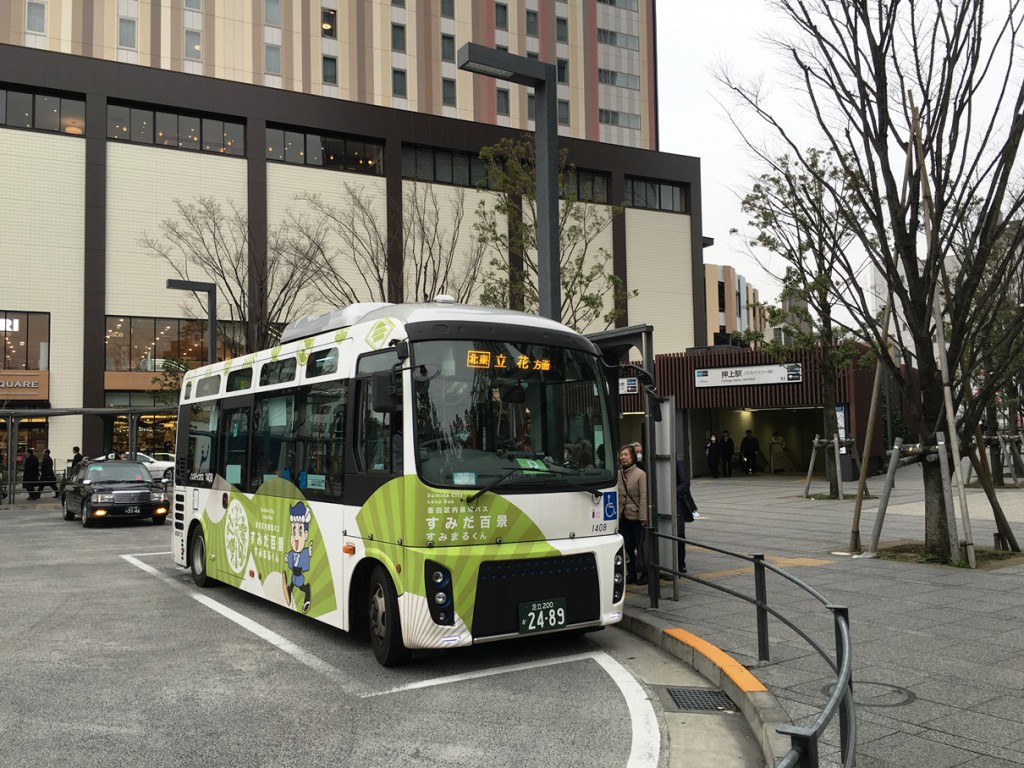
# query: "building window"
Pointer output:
{"type": "Point", "coordinates": [721, 296]}
{"type": "Point", "coordinates": [193, 44]}
{"type": "Point", "coordinates": [167, 129]}
{"type": "Point", "coordinates": [563, 112]}
{"type": "Point", "coordinates": [532, 55]}
{"type": "Point", "coordinates": [42, 112]}
{"type": "Point", "coordinates": [329, 22]}
{"type": "Point", "coordinates": [500, 16]}
{"type": "Point", "coordinates": [448, 9]}
{"type": "Point", "coordinates": [629, 5]}
{"type": "Point", "coordinates": [563, 70]}
{"type": "Point", "coordinates": [398, 38]}
{"type": "Point", "coordinates": [586, 186]}
{"type": "Point", "coordinates": [194, 5]}
{"type": "Point", "coordinates": [398, 3]}
{"type": "Point", "coordinates": [656, 195]}
{"type": "Point", "coordinates": [398, 83]}
{"type": "Point", "coordinates": [25, 337]}
{"type": "Point", "coordinates": [620, 79]}
{"type": "Point", "coordinates": [126, 33]}
{"type": "Point", "coordinates": [620, 119]}
{"type": "Point", "coordinates": [562, 30]}
{"type": "Point", "coordinates": [618, 39]}
{"type": "Point", "coordinates": [35, 17]}
{"type": "Point", "coordinates": [531, 107]}
{"type": "Point", "coordinates": [272, 59]}
{"type": "Point", "coordinates": [447, 48]}
{"type": "Point", "coordinates": [341, 153]}
{"type": "Point", "coordinates": [449, 167]}
{"type": "Point", "coordinates": [272, 13]}
{"type": "Point", "coordinates": [531, 24]}
{"type": "Point", "coordinates": [503, 101]}
{"type": "Point", "coordinates": [330, 70]}
{"type": "Point", "coordinates": [448, 92]}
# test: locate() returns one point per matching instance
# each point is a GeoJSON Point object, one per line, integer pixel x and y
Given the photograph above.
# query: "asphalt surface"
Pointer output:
{"type": "Point", "coordinates": [938, 651]}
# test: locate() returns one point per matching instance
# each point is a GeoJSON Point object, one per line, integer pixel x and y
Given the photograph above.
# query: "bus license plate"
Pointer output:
{"type": "Point", "coordinates": [133, 510]}
{"type": "Point", "coordinates": [541, 615]}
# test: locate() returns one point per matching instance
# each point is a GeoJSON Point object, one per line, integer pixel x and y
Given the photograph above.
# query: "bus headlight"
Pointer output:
{"type": "Point", "coordinates": [439, 593]}
{"type": "Point", "coordinates": [619, 577]}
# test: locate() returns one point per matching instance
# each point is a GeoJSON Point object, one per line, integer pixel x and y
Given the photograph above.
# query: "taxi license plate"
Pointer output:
{"type": "Point", "coordinates": [541, 615]}
{"type": "Point", "coordinates": [133, 510]}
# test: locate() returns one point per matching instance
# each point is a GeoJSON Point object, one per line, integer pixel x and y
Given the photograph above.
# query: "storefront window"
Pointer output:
{"type": "Point", "coordinates": [142, 343]}
{"type": "Point", "coordinates": [118, 338]}
{"type": "Point", "coordinates": [25, 337]}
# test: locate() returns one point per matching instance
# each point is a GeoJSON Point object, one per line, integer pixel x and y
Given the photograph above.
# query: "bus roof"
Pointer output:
{"type": "Point", "coordinates": [344, 317]}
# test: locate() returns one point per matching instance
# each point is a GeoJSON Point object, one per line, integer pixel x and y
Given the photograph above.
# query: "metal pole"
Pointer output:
{"type": "Point", "coordinates": [211, 313]}
{"type": "Point", "coordinates": [838, 469]}
{"type": "Point", "coordinates": [947, 495]}
{"type": "Point", "coordinates": [841, 614]}
{"type": "Point", "coordinates": [810, 467]}
{"type": "Point", "coordinates": [883, 503]}
{"type": "Point", "coordinates": [546, 138]}
{"type": "Point", "coordinates": [761, 593]}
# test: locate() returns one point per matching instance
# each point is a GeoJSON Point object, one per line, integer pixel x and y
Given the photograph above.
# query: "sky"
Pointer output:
{"type": "Point", "coordinates": [694, 37]}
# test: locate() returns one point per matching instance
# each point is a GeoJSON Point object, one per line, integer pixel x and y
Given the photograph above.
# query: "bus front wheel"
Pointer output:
{"type": "Point", "coordinates": [198, 559]}
{"type": "Point", "coordinates": [385, 626]}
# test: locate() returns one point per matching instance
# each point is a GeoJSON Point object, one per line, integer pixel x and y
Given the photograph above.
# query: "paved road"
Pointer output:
{"type": "Point", "coordinates": [938, 651]}
{"type": "Point", "coordinates": [110, 656]}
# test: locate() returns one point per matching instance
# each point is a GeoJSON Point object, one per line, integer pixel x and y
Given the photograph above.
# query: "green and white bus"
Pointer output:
{"type": "Point", "coordinates": [437, 474]}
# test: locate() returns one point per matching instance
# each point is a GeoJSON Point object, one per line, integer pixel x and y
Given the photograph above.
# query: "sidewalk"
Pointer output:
{"type": "Point", "coordinates": [938, 652]}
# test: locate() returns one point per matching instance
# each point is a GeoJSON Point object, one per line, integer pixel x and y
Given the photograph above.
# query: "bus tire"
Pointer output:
{"type": "Point", "coordinates": [385, 626]}
{"type": "Point", "coordinates": [197, 560]}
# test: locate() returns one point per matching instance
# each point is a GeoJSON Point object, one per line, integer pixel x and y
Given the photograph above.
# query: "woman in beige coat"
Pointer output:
{"type": "Point", "coordinates": [632, 488]}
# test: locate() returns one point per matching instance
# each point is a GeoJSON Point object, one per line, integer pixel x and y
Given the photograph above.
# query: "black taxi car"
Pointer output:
{"type": "Point", "coordinates": [104, 490]}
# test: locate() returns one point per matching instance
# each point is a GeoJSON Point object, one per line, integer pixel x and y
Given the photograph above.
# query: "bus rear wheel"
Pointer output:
{"type": "Point", "coordinates": [385, 626]}
{"type": "Point", "coordinates": [197, 560]}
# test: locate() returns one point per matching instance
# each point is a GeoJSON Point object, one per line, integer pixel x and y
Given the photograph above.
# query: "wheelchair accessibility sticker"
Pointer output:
{"type": "Point", "coordinates": [611, 505]}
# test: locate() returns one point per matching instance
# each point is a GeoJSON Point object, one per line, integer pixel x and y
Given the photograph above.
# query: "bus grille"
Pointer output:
{"type": "Point", "coordinates": [502, 585]}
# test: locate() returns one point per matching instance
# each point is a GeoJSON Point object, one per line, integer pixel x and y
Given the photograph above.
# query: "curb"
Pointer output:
{"type": "Point", "coordinates": [761, 709]}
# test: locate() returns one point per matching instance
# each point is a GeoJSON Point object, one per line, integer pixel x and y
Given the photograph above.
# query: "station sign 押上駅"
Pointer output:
{"type": "Point", "coordinates": [24, 385]}
{"type": "Point", "coordinates": [787, 373]}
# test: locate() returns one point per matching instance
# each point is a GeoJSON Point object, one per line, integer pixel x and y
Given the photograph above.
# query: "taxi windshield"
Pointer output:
{"type": "Point", "coordinates": [499, 406]}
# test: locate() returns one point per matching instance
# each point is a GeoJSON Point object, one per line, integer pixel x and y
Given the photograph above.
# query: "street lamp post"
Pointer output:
{"type": "Point", "coordinates": [521, 70]}
{"type": "Point", "coordinates": [210, 289]}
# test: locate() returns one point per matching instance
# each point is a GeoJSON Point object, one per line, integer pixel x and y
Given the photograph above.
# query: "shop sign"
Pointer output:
{"type": "Point", "coordinates": [24, 385]}
{"type": "Point", "coordinates": [788, 373]}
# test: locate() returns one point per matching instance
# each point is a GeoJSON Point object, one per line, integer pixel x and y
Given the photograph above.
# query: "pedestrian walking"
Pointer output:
{"type": "Point", "coordinates": [632, 488]}
{"type": "Point", "coordinates": [47, 477]}
{"type": "Point", "coordinates": [685, 506]}
{"type": "Point", "coordinates": [728, 451]}
{"type": "Point", "coordinates": [714, 453]}
{"type": "Point", "coordinates": [30, 474]}
{"type": "Point", "coordinates": [749, 448]}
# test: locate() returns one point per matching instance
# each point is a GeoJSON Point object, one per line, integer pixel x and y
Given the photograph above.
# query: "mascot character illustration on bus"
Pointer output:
{"type": "Point", "coordinates": [297, 558]}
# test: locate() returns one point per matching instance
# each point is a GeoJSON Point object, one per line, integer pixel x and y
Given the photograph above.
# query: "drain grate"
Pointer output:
{"type": "Point", "coordinates": [701, 699]}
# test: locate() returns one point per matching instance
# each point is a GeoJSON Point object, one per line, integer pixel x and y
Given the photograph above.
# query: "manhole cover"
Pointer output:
{"type": "Point", "coordinates": [701, 699]}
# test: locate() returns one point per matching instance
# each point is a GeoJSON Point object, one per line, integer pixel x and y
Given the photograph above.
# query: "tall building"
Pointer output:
{"type": "Point", "coordinates": [120, 120]}
{"type": "Point", "coordinates": [731, 306]}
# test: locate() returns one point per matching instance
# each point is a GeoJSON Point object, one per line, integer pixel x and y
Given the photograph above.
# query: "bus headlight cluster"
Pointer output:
{"type": "Point", "coordinates": [439, 593]}
{"type": "Point", "coordinates": [619, 578]}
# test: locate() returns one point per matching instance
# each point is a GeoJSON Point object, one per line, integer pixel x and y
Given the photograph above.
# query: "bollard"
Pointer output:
{"type": "Point", "coordinates": [761, 592]}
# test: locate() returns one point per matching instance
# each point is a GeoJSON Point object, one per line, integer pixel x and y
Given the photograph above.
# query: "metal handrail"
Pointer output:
{"type": "Point", "coordinates": [803, 752]}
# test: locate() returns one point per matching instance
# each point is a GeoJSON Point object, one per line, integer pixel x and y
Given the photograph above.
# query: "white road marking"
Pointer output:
{"type": "Point", "coordinates": [305, 657]}
{"type": "Point", "coordinates": [148, 554]}
{"type": "Point", "coordinates": [645, 748]}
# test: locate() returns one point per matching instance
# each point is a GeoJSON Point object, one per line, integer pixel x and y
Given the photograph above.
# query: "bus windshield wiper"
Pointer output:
{"type": "Point", "coordinates": [522, 471]}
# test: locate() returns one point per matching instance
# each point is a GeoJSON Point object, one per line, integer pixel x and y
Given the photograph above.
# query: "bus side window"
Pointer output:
{"type": "Point", "coordinates": [234, 455]}
{"type": "Point", "coordinates": [378, 436]}
{"type": "Point", "coordinates": [320, 439]}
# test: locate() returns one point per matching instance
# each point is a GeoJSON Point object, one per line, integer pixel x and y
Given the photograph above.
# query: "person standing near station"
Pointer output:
{"type": "Point", "coordinates": [30, 474]}
{"type": "Point", "coordinates": [714, 454]}
{"type": "Point", "coordinates": [77, 457]}
{"type": "Point", "coordinates": [748, 449]}
{"type": "Point", "coordinates": [632, 489]}
{"type": "Point", "coordinates": [728, 450]}
{"type": "Point", "coordinates": [47, 477]}
{"type": "Point", "coordinates": [685, 506]}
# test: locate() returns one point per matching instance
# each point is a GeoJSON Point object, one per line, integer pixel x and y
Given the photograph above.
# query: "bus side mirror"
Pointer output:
{"type": "Point", "coordinates": [383, 393]}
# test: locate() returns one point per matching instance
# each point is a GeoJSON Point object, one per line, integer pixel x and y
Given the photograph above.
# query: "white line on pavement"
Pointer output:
{"type": "Point", "coordinates": [305, 657]}
{"type": "Point", "coordinates": [646, 744]}
{"type": "Point", "coordinates": [147, 554]}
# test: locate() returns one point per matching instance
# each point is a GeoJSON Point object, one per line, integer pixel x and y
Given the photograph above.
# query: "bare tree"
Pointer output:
{"type": "Point", "coordinates": [794, 215]}
{"type": "Point", "coordinates": [213, 244]}
{"type": "Point", "coordinates": [508, 228]}
{"type": "Point", "coordinates": [862, 67]}
{"type": "Point", "coordinates": [438, 257]}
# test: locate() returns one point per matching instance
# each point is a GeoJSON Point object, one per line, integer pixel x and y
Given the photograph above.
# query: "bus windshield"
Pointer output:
{"type": "Point", "coordinates": [529, 416]}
